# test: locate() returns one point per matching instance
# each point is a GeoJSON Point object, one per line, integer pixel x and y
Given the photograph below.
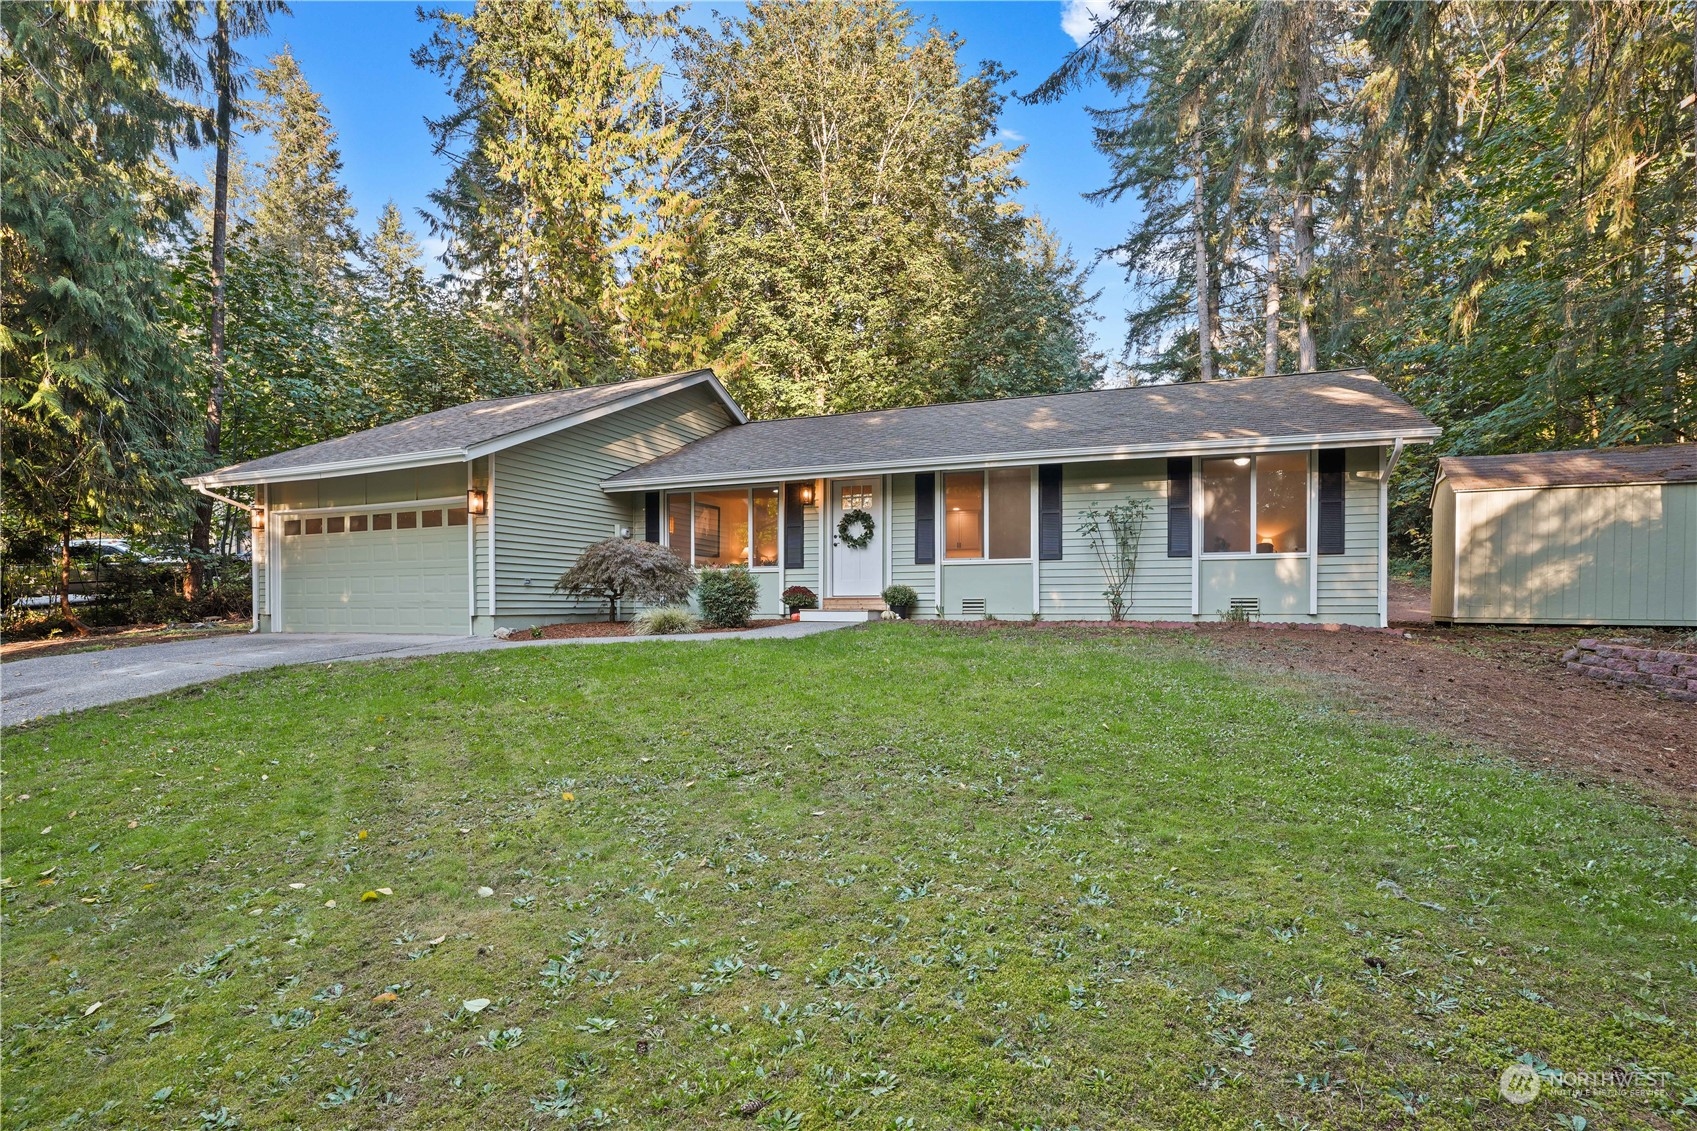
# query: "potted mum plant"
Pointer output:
{"type": "Point", "coordinates": [797, 598]}
{"type": "Point", "coordinates": [902, 600]}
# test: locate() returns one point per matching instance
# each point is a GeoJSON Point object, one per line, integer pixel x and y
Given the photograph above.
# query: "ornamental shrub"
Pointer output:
{"type": "Point", "coordinates": [727, 596]}
{"type": "Point", "coordinates": [665, 621]}
{"type": "Point", "coordinates": [901, 598]}
{"type": "Point", "coordinates": [800, 597]}
{"type": "Point", "coordinates": [619, 568]}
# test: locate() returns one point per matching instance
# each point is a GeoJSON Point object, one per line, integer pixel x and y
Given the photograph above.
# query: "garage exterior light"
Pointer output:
{"type": "Point", "coordinates": [476, 501]}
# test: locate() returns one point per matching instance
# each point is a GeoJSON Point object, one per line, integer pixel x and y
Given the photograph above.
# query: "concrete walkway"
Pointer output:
{"type": "Point", "coordinates": [30, 689]}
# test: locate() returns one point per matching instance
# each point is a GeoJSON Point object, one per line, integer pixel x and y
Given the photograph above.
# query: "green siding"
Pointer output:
{"type": "Point", "coordinates": [903, 571]}
{"type": "Point", "coordinates": [1576, 555]}
{"type": "Point", "coordinates": [1349, 582]}
{"type": "Point", "coordinates": [1004, 587]}
{"type": "Point", "coordinates": [549, 504]}
{"type": "Point", "coordinates": [1072, 587]}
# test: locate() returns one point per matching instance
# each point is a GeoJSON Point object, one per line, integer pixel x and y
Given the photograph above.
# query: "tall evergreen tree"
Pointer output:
{"type": "Point", "coordinates": [90, 398]}
{"type": "Point", "coordinates": [231, 20]}
{"type": "Point", "coordinates": [302, 208]}
{"type": "Point", "coordinates": [564, 200]}
{"type": "Point", "coordinates": [858, 203]}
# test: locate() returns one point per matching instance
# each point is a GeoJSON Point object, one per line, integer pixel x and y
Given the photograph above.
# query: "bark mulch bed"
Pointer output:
{"type": "Point", "coordinates": [1501, 688]}
{"type": "Point", "coordinates": [581, 629]}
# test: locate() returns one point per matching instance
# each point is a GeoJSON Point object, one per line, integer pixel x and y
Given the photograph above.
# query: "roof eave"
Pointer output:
{"type": "Point", "coordinates": [1054, 455]}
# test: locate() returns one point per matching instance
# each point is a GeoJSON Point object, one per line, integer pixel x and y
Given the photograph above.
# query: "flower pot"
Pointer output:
{"type": "Point", "coordinates": [795, 614]}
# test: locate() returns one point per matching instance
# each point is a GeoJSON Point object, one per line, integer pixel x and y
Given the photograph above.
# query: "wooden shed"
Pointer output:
{"type": "Point", "coordinates": [1587, 537]}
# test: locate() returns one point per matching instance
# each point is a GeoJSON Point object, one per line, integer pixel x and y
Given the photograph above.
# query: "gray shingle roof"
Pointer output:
{"type": "Point", "coordinates": [1658, 463]}
{"type": "Point", "coordinates": [1294, 407]}
{"type": "Point", "coordinates": [448, 431]}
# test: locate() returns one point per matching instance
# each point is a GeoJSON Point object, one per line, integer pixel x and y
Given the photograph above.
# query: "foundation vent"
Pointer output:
{"type": "Point", "coordinates": [1244, 608]}
{"type": "Point", "coordinates": [973, 607]}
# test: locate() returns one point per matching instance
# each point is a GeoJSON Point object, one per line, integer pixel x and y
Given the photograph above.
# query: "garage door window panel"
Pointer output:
{"type": "Point", "coordinates": [356, 523]}
{"type": "Point", "coordinates": [406, 520]}
{"type": "Point", "coordinates": [382, 521]}
{"type": "Point", "coordinates": [432, 518]}
{"type": "Point", "coordinates": [315, 526]}
{"type": "Point", "coordinates": [457, 516]}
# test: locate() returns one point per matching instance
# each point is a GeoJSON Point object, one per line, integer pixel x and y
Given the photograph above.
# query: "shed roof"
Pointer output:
{"type": "Point", "coordinates": [1597, 467]}
{"type": "Point", "coordinates": [456, 434]}
{"type": "Point", "coordinates": [1294, 409]}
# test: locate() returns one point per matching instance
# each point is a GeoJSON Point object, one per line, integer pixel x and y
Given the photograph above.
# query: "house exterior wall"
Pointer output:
{"type": "Point", "coordinates": [260, 565]}
{"type": "Point", "coordinates": [1575, 555]}
{"type": "Point", "coordinates": [548, 503]}
{"type": "Point", "coordinates": [1348, 584]}
{"type": "Point", "coordinates": [903, 569]}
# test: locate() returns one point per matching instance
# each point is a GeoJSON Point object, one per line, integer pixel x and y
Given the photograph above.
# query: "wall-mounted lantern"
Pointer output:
{"type": "Point", "coordinates": [476, 501]}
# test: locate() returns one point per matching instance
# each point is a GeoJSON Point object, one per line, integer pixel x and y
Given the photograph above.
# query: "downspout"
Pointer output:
{"type": "Point", "coordinates": [253, 559]}
{"type": "Point", "coordinates": [1384, 533]}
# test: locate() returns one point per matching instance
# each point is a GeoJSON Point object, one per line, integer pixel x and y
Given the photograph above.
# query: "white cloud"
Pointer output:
{"type": "Point", "coordinates": [1079, 17]}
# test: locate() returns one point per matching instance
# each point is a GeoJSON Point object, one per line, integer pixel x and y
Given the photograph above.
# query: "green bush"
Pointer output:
{"type": "Point", "coordinates": [901, 599]}
{"type": "Point", "coordinates": [727, 596]}
{"type": "Point", "coordinates": [666, 621]}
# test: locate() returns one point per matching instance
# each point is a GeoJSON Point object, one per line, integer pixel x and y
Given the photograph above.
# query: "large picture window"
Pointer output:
{"type": "Point", "coordinates": [987, 514]}
{"type": "Point", "coordinates": [734, 526]}
{"type": "Point", "coordinates": [1255, 504]}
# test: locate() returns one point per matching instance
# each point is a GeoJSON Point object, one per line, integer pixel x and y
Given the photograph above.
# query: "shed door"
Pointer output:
{"type": "Point", "coordinates": [380, 571]}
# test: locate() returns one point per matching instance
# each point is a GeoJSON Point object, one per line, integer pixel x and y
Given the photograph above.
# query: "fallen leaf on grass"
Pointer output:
{"type": "Point", "coordinates": [162, 1020]}
{"type": "Point", "coordinates": [568, 796]}
{"type": "Point", "coordinates": [385, 998]}
{"type": "Point", "coordinates": [369, 897]}
{"type": "Point", "coordinates": [385, 891]}
{"type": "Point", "coordinates": [132, 824]}
{"type": "Point", "coordinates": [475, 1005]}
{"type": "Point", "coordinates": [89, 1012]}
{"type": "Point", "coordinates": [437, 941]}
{"type": "Point", "coordinates": [329, 903]}
{"type": "Point", "coordinates": [296, 887]}
{"type": "Point", "coordinates": [485, 892]}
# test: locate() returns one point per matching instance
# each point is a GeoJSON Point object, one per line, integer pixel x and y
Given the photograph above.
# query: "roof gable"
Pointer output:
{"type": "Point", "coordinates": [463, 432]}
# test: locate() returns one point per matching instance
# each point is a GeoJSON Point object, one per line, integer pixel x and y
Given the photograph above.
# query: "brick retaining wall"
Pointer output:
{"type": "Point", "coordinates": [1672, 673]}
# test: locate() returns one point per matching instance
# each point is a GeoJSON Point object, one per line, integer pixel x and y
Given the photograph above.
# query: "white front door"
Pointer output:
{"type": "Point", "coordinates": [856, 572]}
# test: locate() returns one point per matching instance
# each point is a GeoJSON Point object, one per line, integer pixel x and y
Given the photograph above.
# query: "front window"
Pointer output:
{"type": "Point", "coordinates": [724, 527]}
{"type": "Point", "coordinates": [1255, 504]}
{"type": "Point", "coordinates": [987, 514]}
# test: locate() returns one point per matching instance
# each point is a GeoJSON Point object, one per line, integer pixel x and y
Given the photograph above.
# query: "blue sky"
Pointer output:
{"type": "Point", "coordinates": [358, 56]}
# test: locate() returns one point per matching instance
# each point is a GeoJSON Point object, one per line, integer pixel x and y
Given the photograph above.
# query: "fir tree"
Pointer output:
{"type": "Point", "coordinates": [301, 207]}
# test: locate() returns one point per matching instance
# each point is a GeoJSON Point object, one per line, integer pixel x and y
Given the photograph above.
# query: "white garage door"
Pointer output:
{"type": "Point", "coordinates": [383, 570]}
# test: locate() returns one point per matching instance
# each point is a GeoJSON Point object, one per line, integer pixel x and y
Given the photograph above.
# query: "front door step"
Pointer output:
{"type": "Point", "coordinates": [857, 604]}
{"type": "Point", "coordinates": [841, 614]}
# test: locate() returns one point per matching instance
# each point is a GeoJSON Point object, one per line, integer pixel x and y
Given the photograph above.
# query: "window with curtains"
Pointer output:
{"type": "Point", "coordinates": [729, 526]}
{"type": "Point", "coordinates": [1255, 504]}
{"type": "Point", "coordinates": [987, 514]}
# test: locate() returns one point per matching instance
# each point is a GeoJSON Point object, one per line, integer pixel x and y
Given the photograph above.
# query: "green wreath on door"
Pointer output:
{"type": "Point", "coordinates": [851, 519]}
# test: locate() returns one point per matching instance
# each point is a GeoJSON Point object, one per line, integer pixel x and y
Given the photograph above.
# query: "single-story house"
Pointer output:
{"type": "Point", "coordinates": [1267, 496]}
{"type": "Point", "coordinates": [1607, 536]}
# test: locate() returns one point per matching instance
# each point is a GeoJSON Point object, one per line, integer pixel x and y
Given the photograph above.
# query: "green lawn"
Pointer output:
{"type": "Point", "coordinates": [897, 877]}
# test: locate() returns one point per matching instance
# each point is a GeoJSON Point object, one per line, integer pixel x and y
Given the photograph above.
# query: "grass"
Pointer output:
{"type": "Point", "coordinates": [899, 877]}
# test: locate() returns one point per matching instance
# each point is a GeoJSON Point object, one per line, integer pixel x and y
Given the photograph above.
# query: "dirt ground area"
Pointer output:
{"type": "Point", "coordinates": [100, 639]}
{"type": "Point", "coordinates": [1500, 688]}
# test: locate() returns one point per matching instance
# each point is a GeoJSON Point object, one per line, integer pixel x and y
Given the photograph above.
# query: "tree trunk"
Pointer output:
{"type": "Point", "coordinates": [201, 536]}
{"type": "Point", "coordinates": [1204, 280]}
{"type": "Point", "coordinates": [1303, 227]}
{"type": "Point", "coordinates": [1270, 351]}
{"type": "Point", "coordinates": [65, 577]}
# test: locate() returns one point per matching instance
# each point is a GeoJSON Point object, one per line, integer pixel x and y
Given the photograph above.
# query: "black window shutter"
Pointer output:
{"type": "Point", "coordinates": [1331, 501]}
{"type": "Point", "coordinates": [651, 516]}
{"type": "Point", "coordinates": [1178, 507]}
{"type": "Point", "coordinates": [795, 528]}
{"type": "Point", "coordinates": [925, 518]}
{"type": "Point", "coordinates": [1049, 512]}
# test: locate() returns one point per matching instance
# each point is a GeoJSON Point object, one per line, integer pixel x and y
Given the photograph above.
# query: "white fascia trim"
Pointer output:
{"type": "Point", "coordinates": [1566, 486]}
{"type": "Point", "coordinates": [1054, 455]}
{"type": "Point", "coordinates": [471, 451]}
{"type": "Point", "coordinates": [332, 470]}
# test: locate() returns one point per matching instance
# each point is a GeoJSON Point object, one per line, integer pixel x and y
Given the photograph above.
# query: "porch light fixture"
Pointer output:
{"type": "Point", "coordinates": [476, 501]}
{"type": "Point", "coordinates": [259, 519]}
{"type": "Point", "coordinates": [806, 494]}
{"type": "Point", "coordinates": [1241, 461]}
